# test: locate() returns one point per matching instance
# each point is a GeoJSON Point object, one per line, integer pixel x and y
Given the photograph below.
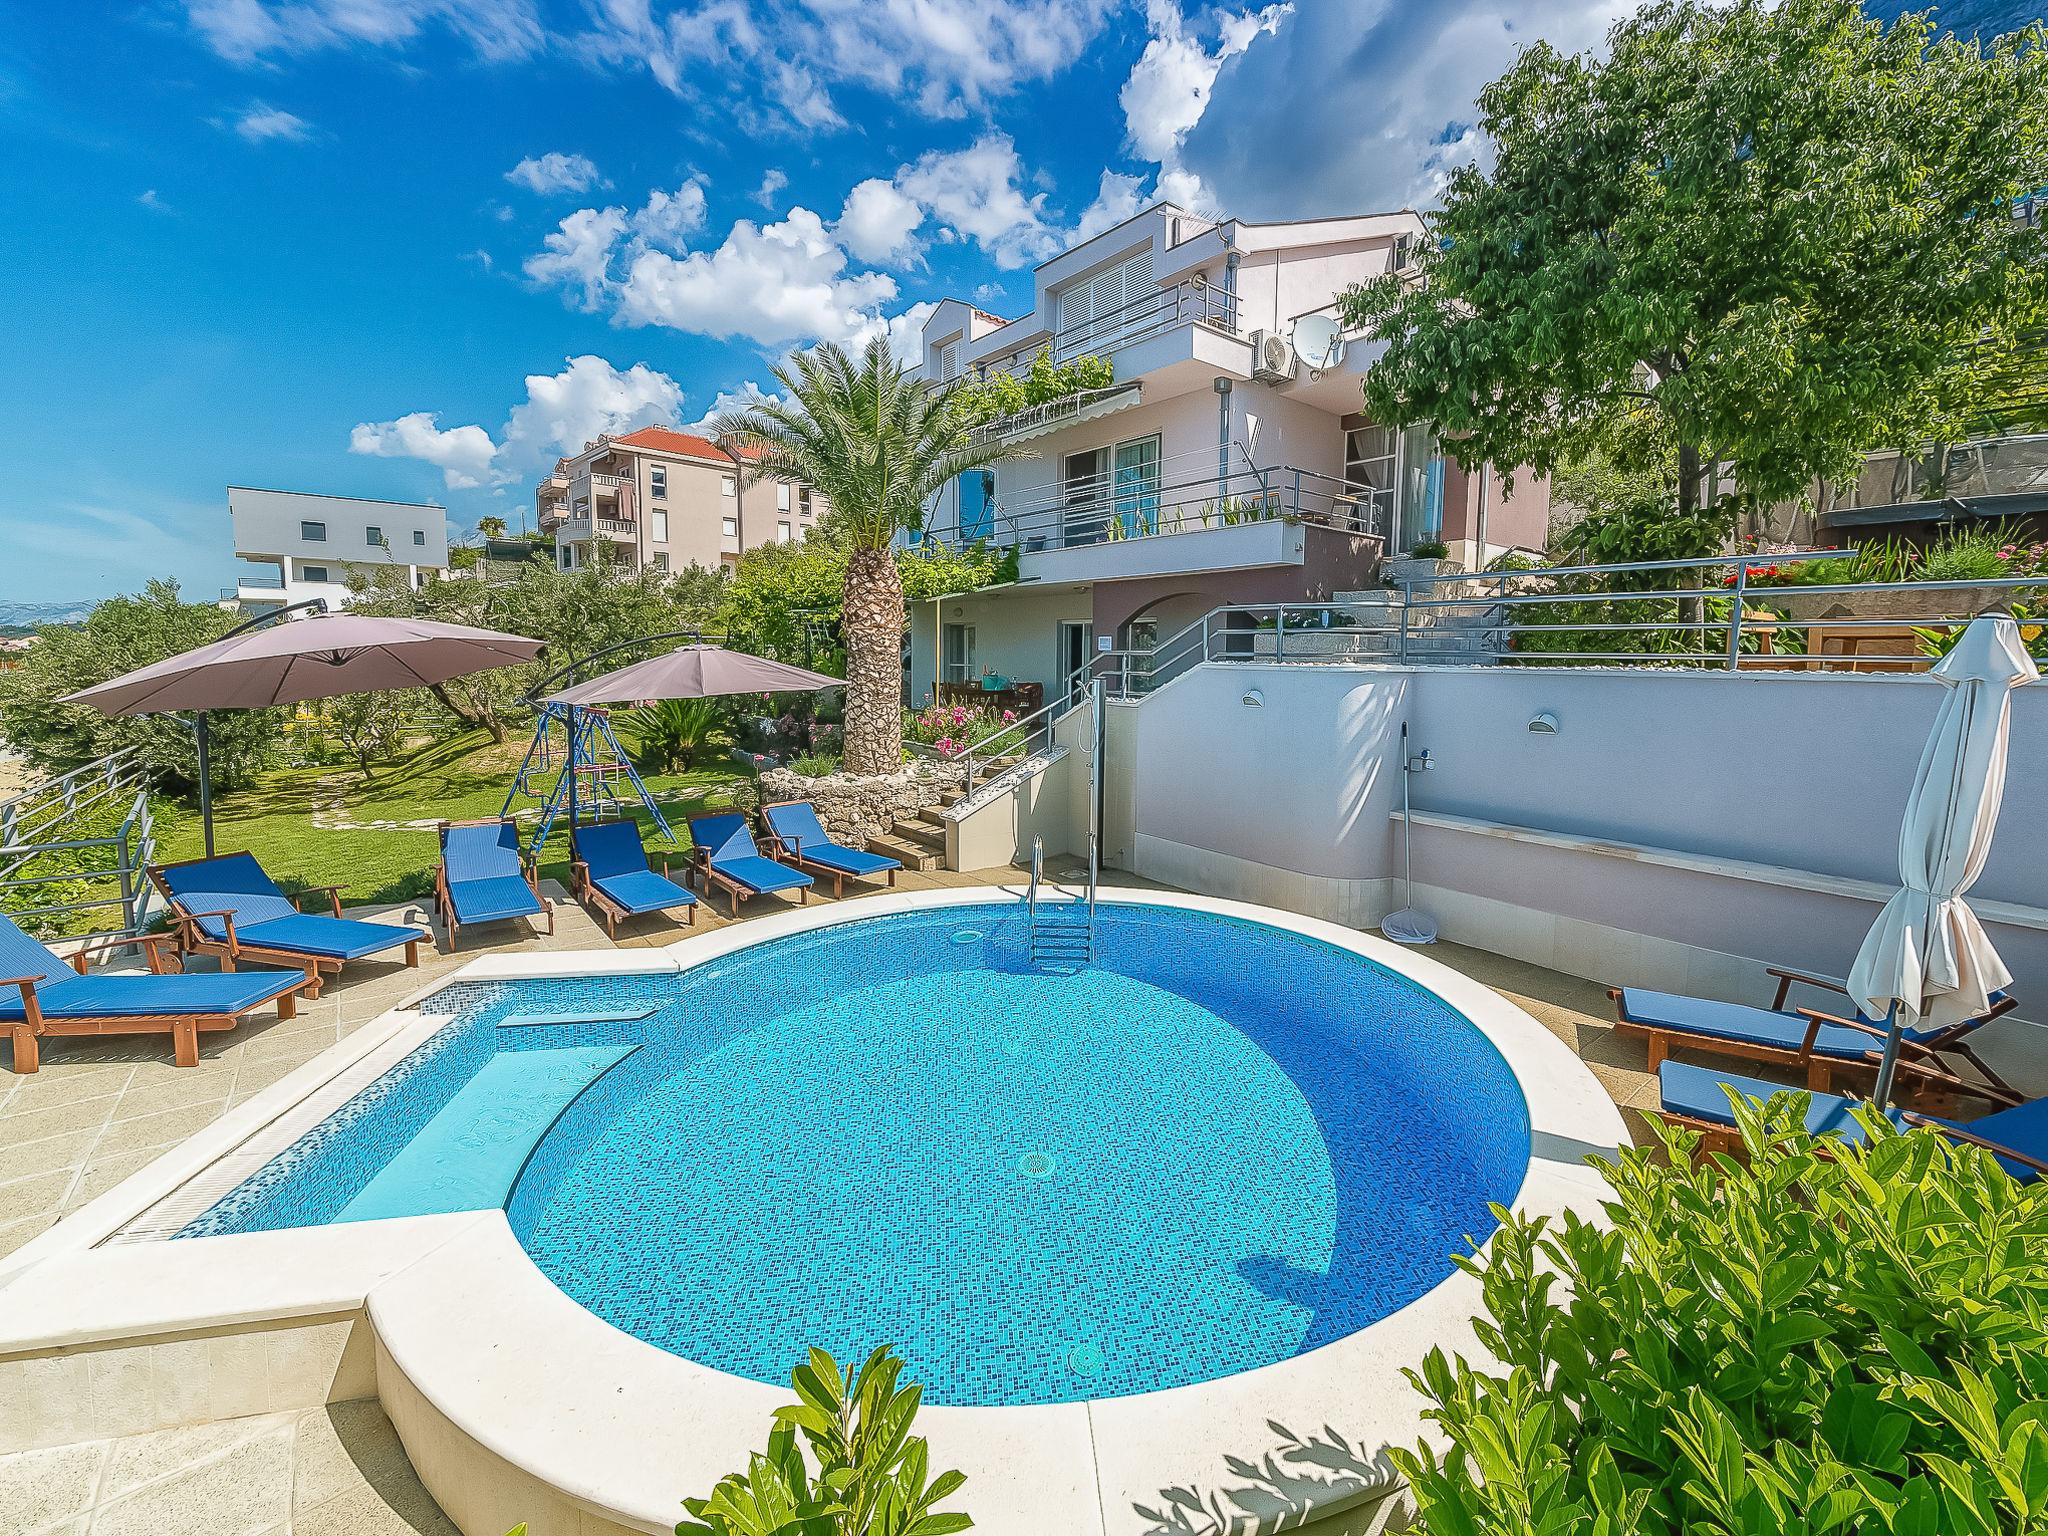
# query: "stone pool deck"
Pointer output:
{"type": "Point", "coordinates": [100, 1110]}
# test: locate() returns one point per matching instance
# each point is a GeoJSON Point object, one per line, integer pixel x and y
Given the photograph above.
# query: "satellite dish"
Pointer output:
{"type": "Point", "coordinates": [1317, 342]}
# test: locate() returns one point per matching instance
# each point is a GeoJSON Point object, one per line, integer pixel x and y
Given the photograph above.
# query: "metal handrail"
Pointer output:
{"type": "Point", "coordinates": [1037, 871]}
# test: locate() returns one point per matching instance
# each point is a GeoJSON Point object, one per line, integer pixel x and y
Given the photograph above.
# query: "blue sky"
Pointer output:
{"type": "Point", "coordinates": [416, 248]}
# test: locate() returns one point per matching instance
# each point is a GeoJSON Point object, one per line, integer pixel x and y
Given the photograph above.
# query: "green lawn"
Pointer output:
{"type": "Point", "coordinates": [456, 779]}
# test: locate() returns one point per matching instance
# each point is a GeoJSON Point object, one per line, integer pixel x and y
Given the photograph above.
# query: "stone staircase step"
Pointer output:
{"type": "Point", "coordinates": [908, 855]}
{"type": "Point", "coordinates": [934, 816]}
{"type": "Point", "coordinates": [919, 834]}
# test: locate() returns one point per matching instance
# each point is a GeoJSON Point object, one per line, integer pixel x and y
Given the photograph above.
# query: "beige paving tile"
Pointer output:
{"type": "Point", "coordinates": [39, 1488]}
{"type": "Point", "coordinates": [242, 1492]}
{"type": "Point", "coordinates": [107, 1170]}
{"type": "Point", "coordinates": [21, 1125]}
{"type": "Point", "coordinates": [78, 1080]}
{"type": "Point", "coordinates": [25, 1198]}
{"type": "Point", "coordinates": [18, 1161]}
{"type": "Point", "coordinates": [162, 1129]}
{"type": "Point", "coordinates": [14, 1233]}
{"type": "Point", "coordinates": [137, 1459]}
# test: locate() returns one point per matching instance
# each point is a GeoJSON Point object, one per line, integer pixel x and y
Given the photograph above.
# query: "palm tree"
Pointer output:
{"type": "Point", "coordinates": [878, 442]}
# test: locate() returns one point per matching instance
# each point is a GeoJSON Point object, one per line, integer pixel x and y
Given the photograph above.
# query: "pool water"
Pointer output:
{"type": "Point", "coordinates": [1220, 1146]}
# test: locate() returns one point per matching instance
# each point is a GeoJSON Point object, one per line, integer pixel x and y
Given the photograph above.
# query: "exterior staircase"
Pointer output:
{"type": "Point", "coordinates": [919, 842]}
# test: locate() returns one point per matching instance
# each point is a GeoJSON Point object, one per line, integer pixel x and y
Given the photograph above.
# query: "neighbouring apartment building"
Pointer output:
{"type": "Point", "coordinates": [309, 545]}
{"type": "Point", "coordinates": [1230, 461]}
{"type": "Point", "coordinates": [667, 499]}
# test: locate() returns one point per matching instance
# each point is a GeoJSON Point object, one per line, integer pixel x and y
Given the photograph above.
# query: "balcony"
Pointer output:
{"type": "Point", "coordinates": [1188, 306]}
{"type": "Point", "coordinates": [581, 530]}
{"type": "Point", "coordinates": [1990, 477]}
{"type": "Point", "coordinates": [1177, 520]}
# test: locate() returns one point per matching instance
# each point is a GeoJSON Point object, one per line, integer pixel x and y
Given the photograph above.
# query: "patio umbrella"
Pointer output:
{"type": "Point", "coordinates": [310, 658]}
{"type": "Point", "coordinates": [1927, 958]}
{"type": "Point", "coordinates": [688, 672]}
{"type": "Point", "coordinates": [695, 672]}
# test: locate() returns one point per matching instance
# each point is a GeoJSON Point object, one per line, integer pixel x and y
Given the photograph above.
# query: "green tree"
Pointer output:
{"type": "Point", "coordinates": [491, 527]}
{"type": "Point", "coordinates": [119, 635]}
{"type": "Point", "coordinates": [1782, 228]}
{"type": "Point", "coordinates": [879, 442]}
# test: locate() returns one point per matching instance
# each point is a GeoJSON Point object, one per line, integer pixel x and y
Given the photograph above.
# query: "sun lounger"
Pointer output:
{"type": "Point", "coordinates": [794, 824]}
{"type": "Point", "coordinates": [1816, 1043]}
{"type": "Point", "coordinates": [227, 906]}
{"type": "Point", "coordinates": [483, 878]}
{"type": "Point", "coordinates": [1697, 1098]}
{"type": "Point", "coordinates": [56, 998]}
{"type": "Point", "coordinates": [612, 872]}
{"type": "Point", "coordinates": [725, 855]}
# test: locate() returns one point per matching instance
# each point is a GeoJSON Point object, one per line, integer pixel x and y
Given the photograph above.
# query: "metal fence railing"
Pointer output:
{"type": "Point", "coordinates": [53, 871]}
{"type": "Point", "coordinates": [1738, 612]}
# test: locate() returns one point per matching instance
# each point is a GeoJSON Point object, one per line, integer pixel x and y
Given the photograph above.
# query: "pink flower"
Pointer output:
{"type": "Point", "coordinates": [945, 744]}
{"type": "Point", "coordinates": [1009, 715]}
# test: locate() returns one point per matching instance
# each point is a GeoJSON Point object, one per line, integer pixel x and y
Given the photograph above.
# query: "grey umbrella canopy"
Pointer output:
{"type": "Point", "coordinates": [315, 658]}
{"type": "Point", "coordinates": [290, 661]}
{"type": "Point", "coordinates": [695, 672]}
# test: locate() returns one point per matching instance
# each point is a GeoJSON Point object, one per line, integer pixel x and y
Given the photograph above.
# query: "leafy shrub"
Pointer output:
{"type": "Point", "coordinates": [2033, 633]}
{"type": "Point", "coordinates": [950, 729]}
{"type": "Point", "coordinates": [1848, 1340]}
{"type": "Point", "coordinates": [1005, 394]}
{"type": "Point", "coordinates": [668, 734]}
{"type": "Point", "coordinates": [865, 1474]}
{"type": "Point", "coordinates": [1430, 549]}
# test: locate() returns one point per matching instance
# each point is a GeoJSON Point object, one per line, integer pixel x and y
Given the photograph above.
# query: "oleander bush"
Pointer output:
{"type": "Point", "coordinates": [1839, 1340]}
{"type": "Point", "coordinates": [840, 1462]}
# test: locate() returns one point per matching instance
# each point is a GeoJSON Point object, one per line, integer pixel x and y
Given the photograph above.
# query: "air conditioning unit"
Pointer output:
{"type": "Point", "coordinates": [1273, 357]}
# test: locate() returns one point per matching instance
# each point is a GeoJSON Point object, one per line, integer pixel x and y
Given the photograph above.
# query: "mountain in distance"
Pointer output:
{"type": "Point", "coordinates": [27, 615]}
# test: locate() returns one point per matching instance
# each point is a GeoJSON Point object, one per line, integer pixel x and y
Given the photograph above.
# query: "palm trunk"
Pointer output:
{"type": "Point", "coordinates": [872, 623]}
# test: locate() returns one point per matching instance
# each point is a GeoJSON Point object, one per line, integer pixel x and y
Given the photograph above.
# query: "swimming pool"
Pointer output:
{"type": "Point", "coordinates": [1219, 1147]}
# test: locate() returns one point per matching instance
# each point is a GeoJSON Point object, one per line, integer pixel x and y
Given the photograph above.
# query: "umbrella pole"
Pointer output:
{"type": "Point", "coordinates": [205, 784]}
{"type": "Point", "coordinates": [1889, 1065]}
{"type": "Point", "coordinates": [572, 778]}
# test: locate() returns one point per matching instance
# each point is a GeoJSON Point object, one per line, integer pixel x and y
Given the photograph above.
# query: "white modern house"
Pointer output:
{"type": "Point", "coordinates": [1230, 461]}
{"type": "Point", "coordinates": [305, 544]}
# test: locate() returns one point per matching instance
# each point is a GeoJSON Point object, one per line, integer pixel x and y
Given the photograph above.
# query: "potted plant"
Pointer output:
{"type": "Point", "coordinates": [1421, 566]}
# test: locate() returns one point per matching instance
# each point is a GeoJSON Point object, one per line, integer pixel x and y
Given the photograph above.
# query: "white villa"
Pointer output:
{"type": "Point", "coordinates": [1228, 462]}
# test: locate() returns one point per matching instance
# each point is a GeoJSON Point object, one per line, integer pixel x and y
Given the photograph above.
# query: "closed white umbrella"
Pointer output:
{"type": "Point", "coordinates": [1927, 959]}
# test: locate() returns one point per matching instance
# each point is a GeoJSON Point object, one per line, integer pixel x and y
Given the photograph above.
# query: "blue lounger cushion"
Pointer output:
{"type": "Point", "coordinates": [618, 866]}
{"type": "Point", "coordinates": [1697, 1093]}
{"type": "Point", "coordinates": [805, 837]}
{"type": "Point", "coordinates": [486, 878]}
{"type": "Point", "coordinates": [124, 996]}
{"type": "Point", "coordinates": [1739, 1023]}
{"type": "Point", "coordinates": [729, 845]}
{"type": "Point", "coordinates": [643, 892]}
{"type": "Point", "coordinates": [265, 917]}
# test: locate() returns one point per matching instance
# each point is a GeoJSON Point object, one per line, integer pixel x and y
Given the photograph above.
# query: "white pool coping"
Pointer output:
{"type": "Point", "coordinates": [516, 1403]}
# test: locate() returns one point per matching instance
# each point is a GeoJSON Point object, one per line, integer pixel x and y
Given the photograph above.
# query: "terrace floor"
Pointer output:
{"type": "Point", "coordinates": [99, 1110]}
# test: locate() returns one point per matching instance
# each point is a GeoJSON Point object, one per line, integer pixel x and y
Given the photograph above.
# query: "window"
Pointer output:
{"type": "Point", "coordinates": [1369, 472]}
{"type": "Point", "coordinates": [312, 573]}
{"type": "Point", "coordinates": [782, 533]}
{"type": "Point", "coordinates": [782, 498]}
{"type": "Point", "coordinates": [419, 538]}
{"type": "Point", "coordinates": [313, 533]}
{"type": "Point", "coordinates": [658, 516]}
{"type": "Point", "coordinates": [958, 652]}
{"type": "Point", "coordinates": [1137, 486]}
{"type": "Point", "coordinates": [373, 536]}
{"type": "Point", "coordinates": [1083, 478]}
{"type": "Point", "coordinates": [657, 479]}
{"type": "Point", "coordinates": [1097, 311]}
{"type": "Point", "coordinates": [803, 500]}
{"type": "Point", "coordinates": [977, 491]}
{"type": "Point", "coordinates": [660, 560]}
{"type": "Point", "coordinates": [728, 486]}
{"type": "Point", "coordinates": [948, 359]}
{"type": "Point", "coordinates": [732, 527]}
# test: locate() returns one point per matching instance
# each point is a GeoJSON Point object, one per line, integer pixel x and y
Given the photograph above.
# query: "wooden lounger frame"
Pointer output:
{"type": "Point", "coordinates": [183, 1028]}
{"type": "Point", "coordinates": [446, 907]}
{"type": "Point", "coordinates": [735, 893]}
{"type": "Point", "coordinates": [1916, 1058]}
{"type": "Point", "coordinates": [232, 949]}
{"type": "Point", "coordinates": [613, 914]}
{"type": "Point", "coordinates": [1716, 1137]}
{"type": "Point", "coordinates": [794, 847]}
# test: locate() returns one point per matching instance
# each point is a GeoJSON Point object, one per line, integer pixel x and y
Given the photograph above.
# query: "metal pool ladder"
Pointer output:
{"type": "Point", "coordinates": [1063, 931]}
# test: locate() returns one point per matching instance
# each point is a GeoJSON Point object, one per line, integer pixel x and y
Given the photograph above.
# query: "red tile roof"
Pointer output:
{"type": "Point", "coordinates": [668, 440]}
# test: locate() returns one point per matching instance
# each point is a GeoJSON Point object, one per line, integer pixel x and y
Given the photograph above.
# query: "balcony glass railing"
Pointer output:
{"type": "Point", "coordinates": [1123, 505]}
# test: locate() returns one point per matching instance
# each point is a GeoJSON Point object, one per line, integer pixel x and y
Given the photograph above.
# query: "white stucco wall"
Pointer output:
{"type": "Point", "coordinates": [1290, 803]}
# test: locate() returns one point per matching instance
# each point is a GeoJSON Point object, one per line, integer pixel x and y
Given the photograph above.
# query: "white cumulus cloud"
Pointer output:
{"type": "Point", "coordinates": [879, 223]}
{"type": "Point", "coordinates": [462, 454]}
{"type": "Point", "coordinates": [670, 218]}
{"type": "Point", "coordinates": [577, 256]}
{"type": "Point", "coordinates": [772, 284]}
{"type": "Point", "coordinates": [561, 412]}
{"type": "Point", "coordinates": [1168, 90]}
{"type": "Point", "coordinates": [555, 172]}
{"type": "Point", "coordinates": [1313, 118]}
{"type": "Point", "coordinates": [977, 194]}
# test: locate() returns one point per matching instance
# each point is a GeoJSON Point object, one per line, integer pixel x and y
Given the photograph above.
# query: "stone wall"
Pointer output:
{"type": "Point", "coordinates": [855, 809]}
